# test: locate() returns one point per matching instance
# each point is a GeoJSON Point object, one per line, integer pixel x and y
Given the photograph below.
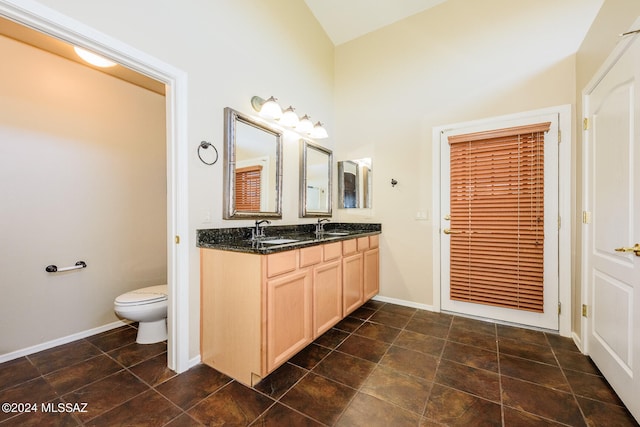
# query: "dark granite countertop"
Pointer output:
{"type": "Point", "coordinates": [239, 239]}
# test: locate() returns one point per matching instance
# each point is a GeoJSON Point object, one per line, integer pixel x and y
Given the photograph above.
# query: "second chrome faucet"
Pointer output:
{"type": "Point", "coordinates": [258, 231]}
{"type": "Point", "coordinates": [320, 225]}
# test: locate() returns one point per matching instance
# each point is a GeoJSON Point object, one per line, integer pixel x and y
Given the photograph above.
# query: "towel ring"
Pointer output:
{"type": "Point", "coordinates": [206, 145]}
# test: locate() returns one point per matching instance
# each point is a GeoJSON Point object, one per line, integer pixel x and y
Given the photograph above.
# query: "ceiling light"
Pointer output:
{"type": "Point", "coordinates": [268, 109]}
{"type": "Point", "coordinates": [93, 59]}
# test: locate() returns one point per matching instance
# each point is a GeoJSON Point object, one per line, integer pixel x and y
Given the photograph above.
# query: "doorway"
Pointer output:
{"type": "Point", "coordinates": [611, 253]}
{"type": "Point", "coordinates": [48, 21]}
{"type": "Point", "coordinates": [547, 314]}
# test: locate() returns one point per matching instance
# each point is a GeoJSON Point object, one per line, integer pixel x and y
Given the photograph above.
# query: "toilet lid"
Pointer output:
{"type": "Point", "coordinates": [144, 295]}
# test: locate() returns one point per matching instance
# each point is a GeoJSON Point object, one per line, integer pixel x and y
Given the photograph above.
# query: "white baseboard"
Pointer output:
{"type": "Point", "coordinates": [59, 341]}
{"type": "Point", "coordinates": [195, 361]}
{"type": "Point", "coordinates": [578, 342]}
{"type": "Point", "coordinates": [404, 303]}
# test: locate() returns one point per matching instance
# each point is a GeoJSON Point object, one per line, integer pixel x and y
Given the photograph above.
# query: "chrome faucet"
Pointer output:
{"type": "Point", "coordinates": [320, 225]}
{"type": "Point", "coordinates": [258, 231]}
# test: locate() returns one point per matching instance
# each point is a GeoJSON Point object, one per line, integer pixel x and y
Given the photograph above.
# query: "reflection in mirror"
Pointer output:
{"type": "Point", "coordinates": [253, 168]}
{"type": "Point", "coordinates": [315, 180]}
{"type": "Point", "coordinates": [355, 184]}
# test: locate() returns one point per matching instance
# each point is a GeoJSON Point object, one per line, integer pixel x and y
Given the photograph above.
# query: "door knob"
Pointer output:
{"type": "Point", "coordinates": [635, 249]}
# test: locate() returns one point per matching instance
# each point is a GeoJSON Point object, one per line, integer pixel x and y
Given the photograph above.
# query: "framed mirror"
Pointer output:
{"type": "Point", "coordinates": [355, 184]}
{"type": "Point", "coordinates": [316, 165]}
{"type": "Point", "coordinates": [252, 168]}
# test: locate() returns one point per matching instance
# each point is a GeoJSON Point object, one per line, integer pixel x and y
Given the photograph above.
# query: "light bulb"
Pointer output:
{"type": "Point", "coordinates": [305, 125]}
{"type": "Point", "coordinates": [270, 109]}
{"type": "Point", "coordinates": [289, 118]}
{"type": "Point", "coordinates": [319, 131]}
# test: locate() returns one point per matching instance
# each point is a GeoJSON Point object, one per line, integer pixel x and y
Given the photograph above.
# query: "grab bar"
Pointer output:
{"type": "Point", "coordinates": [54, 268]}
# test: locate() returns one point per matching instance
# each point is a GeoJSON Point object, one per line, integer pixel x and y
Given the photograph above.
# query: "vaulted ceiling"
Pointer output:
{"type": "Point", "coordinates": [345, 20]}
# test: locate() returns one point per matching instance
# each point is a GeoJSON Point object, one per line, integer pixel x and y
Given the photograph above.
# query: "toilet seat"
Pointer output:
{"type": "Point", "coordinates": [143, 296]}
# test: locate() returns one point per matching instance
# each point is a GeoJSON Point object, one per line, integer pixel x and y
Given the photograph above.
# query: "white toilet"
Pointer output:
{"type": "Point", "coordinates": [148, 306]}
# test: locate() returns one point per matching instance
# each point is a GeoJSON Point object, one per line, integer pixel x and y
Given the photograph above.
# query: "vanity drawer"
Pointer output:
{"type": "Point", "coordinates": [349, 247]}
{"type": "Point", "coordinates": [374, 241]}
{"type": "Point", "coordinates": [281, 262]}
{"type": "Point", "coordinates": [310, 256]}
{"type": "Point", "coordinates": [363, 243]}
{"type": "Point", "coordinates": [332, 251]}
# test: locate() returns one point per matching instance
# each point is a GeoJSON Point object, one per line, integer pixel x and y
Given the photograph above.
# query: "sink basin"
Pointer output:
{"type": "Point", "coordinates": [279, 241]}
{"type": "Point", "coordinates": [335, 233]}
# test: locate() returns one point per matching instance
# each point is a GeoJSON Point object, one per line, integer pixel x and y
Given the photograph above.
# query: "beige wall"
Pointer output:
{"type": "Point", "coordinates": [82, 167]}
{"type": "Point", "coordinates": [453, 63]}
{"type": "Point", "coordinates": [615, 17]}
{"type": "Point", "coordinates": [231, 50]}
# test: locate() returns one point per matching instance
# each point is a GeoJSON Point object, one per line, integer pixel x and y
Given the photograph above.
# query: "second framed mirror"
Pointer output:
{"type": "Point", "coordinates": [316, 166]}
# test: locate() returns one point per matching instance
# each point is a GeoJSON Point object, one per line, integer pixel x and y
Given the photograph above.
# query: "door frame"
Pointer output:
{"type": "Point", "coordinates": [585, 289]}
{"type": "Point", "coordinates": [566, 199]}
{"type": "Point", "coordinates": [49, 21]}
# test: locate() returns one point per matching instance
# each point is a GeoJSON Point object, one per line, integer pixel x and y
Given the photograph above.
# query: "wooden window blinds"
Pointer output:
{"type": "Point", "coordinates": [247, 188]}
{"type": "Point", "coordinates": [497, 217]}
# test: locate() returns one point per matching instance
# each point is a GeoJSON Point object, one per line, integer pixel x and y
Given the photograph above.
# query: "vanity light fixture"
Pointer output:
{"type": "Point", "coordinates": [268, 109]}
{"type": "Point", "coordinates": [289, 118]}
{"type": "Point", "coordinates": [305, 125]}
{"type": "Point", "coordinates": [319, 132]}
{"type": "Point", "coordinates": [93, 59]}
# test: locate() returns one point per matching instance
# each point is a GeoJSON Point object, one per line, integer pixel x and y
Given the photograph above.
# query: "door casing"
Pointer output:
{"type": "Point", "coordinates": [51, 22]}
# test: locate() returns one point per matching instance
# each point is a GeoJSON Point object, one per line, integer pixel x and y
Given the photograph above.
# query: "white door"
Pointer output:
{"type": "Point", "coordinates": [549, 317]}
{"type": "Point", "coordinates": [612, 201]}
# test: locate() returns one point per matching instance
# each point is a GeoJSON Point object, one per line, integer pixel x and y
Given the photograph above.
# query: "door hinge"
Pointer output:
{"type": "Point", "coordinates": [559, 308]}
{"type": "Point", "coordinates": [559, 136]}
{"type": "Point", "coordinates": [586, 217]}
{"type": "Point", "coordinates": [177, 240]}
{"type": "Point", "coordinates": [585, 124]}
{"type": "Point", "coordinates": [585, 310]}
{"type": "Point", "coordinates": [559, 222]}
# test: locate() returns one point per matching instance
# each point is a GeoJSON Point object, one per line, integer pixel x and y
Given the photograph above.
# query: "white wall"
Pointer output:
{"type": "Point", "coordinates": [230, 50]}
{"type": "Point", "coordinates": [82, 173]}
{"type": "Point", "coordinates": [454, 63]}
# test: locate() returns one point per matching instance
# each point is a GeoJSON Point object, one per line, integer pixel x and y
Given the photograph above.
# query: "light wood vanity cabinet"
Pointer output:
{"type": "Point", "coordinates": [327, 289]}
{"type": "Point", "coordinates": [352, 281]}
{"type": "Point", "coordinates": [257, 311]}
{"type": "Point", "coordinates": [371, 268]}
{"type": "Point", "coordinates": [361, 278]}
{"type": "Point", "coordinates": [289, 311]}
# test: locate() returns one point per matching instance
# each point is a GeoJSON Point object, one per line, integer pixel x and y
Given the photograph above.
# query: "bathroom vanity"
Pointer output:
{"type": "Point", "coordinates": [263, 300]}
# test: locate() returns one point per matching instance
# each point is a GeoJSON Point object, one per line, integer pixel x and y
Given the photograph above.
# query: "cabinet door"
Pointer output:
{"type": "Point", "coordinates": [352, 292]}
{"type": "Point", "coordinates": [289, 321]}
{"type": "Point", "coordinates": [371, 273]}
{"type": "Point", "coordinates": [327, 296]}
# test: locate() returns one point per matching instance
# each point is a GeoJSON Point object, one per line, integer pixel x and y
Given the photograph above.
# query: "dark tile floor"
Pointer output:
{"type": "Point", "coordinates": [385, 365]}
